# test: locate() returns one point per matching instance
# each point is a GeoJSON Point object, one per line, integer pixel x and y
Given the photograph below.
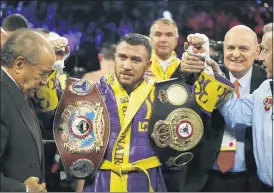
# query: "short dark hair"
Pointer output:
{"type": "Point", "coordinates": [135, 39]}
{"type": "Point", "coordinates": [14, 22]}
{"type": "Point", "coordinates": [26, 43]}
{"type": "Point", "coordinates": [108, 51]}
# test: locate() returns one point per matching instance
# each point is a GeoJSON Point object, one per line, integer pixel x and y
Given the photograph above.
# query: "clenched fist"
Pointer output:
{"type": "Point", "coordinates": [60, 45]}
{"type": "Point", "coordinates": [195, 55]}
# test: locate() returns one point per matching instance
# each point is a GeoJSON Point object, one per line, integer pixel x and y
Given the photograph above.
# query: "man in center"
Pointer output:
{"type": "Point", "coordinates": [129, 98]}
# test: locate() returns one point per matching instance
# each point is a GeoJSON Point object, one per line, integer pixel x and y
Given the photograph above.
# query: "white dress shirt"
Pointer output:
{"type": "Point", "coordinates": [239, 135]}
{"type": "Point", "coordinates": [166, 63]}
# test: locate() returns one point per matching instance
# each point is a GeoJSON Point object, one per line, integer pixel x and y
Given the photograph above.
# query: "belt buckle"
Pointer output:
{"type": "Point", "coordinates": [185, 158]}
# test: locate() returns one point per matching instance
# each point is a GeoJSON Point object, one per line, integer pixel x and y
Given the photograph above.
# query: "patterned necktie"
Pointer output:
{"type": "Point", "coordinates": [237, 86]}
{"type": "Point", "coordinates": [226, 159]}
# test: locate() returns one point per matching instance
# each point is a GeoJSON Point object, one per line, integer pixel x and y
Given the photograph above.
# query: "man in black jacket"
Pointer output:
{"type": "Point", "coordinates": [239, 170]}
{"type": "Point", "coordinates": [233, 169]}
{"type": "Point", "coordinates": [26, 59]}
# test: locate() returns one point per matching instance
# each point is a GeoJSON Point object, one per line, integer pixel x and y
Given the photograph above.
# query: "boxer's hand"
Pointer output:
{"type": "Point", "coordinates": [196, 41]}
{"type": "Point", "coordinates": [61, 47]}
{"type": "Point", "coordinates": [191, 63]}
{"type": "Point", "coordinates": [60, 54]}
{"type": "Point", "coordinates": [4, 37]}
{"type": "Point", "coordinates": [34, 186]}
{"type": "Point", "coordinates": [59, 44]}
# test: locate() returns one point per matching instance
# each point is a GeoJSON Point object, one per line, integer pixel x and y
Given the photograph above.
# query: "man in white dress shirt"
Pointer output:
{"type": "Point", "coordinates": [235, 164]}
{"type": "Point", "coordinates": [252, 110]}
{"type": "Point", "coordinates": [256, 110]}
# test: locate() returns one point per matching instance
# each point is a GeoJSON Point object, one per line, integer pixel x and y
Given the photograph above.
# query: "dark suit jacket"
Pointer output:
{"type": "Point", "coordinates": [21, 150]}
{"type": "Point", "coordinates": [194, 175]}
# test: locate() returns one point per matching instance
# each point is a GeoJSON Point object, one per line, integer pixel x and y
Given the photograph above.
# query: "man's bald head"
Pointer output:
{"type": "Point", "coordinates": [242, 30]}
{"type": "Point", "coordinates": [26, 43]}
{"type": "Point", "coordinates": [240, 50]}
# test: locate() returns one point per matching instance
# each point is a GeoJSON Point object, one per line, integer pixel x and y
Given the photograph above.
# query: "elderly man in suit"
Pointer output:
{"type": "Point", "coordinates": [255, 110]}
{"type": "Point", "coordinates": [234, 167]}
{"type": "Point", "coordinates": [26, 59]}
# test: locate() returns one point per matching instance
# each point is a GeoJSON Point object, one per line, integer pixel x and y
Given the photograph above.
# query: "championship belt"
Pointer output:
{"type": "Point", "coordinates": [81, 129]}
{"type": "Point", "coordinates": [175, 127]}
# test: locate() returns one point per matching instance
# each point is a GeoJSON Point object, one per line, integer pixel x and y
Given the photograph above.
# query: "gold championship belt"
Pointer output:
{"type": "Point", "coordinates": [81, 129]}
{"type": "Point", "coordinates": [175, 127]}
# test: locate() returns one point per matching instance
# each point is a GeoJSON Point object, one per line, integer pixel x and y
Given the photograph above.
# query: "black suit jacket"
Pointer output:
{"type": "Point", "coordinates": [21, 150]}
{"type": "Point", "coordinates": [194, 175]}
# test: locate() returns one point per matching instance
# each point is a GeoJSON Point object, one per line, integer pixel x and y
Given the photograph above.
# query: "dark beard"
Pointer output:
{"type": "Point", "coordinates": [129, 89]}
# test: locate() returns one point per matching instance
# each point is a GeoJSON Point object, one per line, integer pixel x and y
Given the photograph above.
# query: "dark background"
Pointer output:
{"type": "Point", "coordinates": [89, 24]}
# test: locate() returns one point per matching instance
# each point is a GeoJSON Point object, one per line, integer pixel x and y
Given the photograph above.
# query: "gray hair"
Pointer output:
{"type": "Point", "coordinates": [26, 43]}
{"type": "Point", "coordinates": [165, 21]}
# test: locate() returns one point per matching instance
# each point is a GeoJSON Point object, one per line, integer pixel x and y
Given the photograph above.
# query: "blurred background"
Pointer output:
{"type": "Point", "coordinates": [90, 24]}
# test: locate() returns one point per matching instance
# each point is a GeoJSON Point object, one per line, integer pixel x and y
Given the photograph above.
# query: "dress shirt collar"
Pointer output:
{"type": "Point", "coordinates": [244, 81]}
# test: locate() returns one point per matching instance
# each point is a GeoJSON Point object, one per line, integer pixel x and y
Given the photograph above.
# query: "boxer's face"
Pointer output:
{"type": "Point", "coordinates": [131, 64]}
{"type": "Point", "coordinates": [267, 53]}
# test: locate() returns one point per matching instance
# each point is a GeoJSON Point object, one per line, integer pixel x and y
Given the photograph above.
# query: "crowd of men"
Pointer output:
{"type": "Point", "coordinates": [235, 153]}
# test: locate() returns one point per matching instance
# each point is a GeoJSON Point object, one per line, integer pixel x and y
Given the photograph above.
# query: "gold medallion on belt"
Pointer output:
{"type": "Point", "coordinates": [175, 95]}
{"type": "Point", "coordinates": [182, 130]}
